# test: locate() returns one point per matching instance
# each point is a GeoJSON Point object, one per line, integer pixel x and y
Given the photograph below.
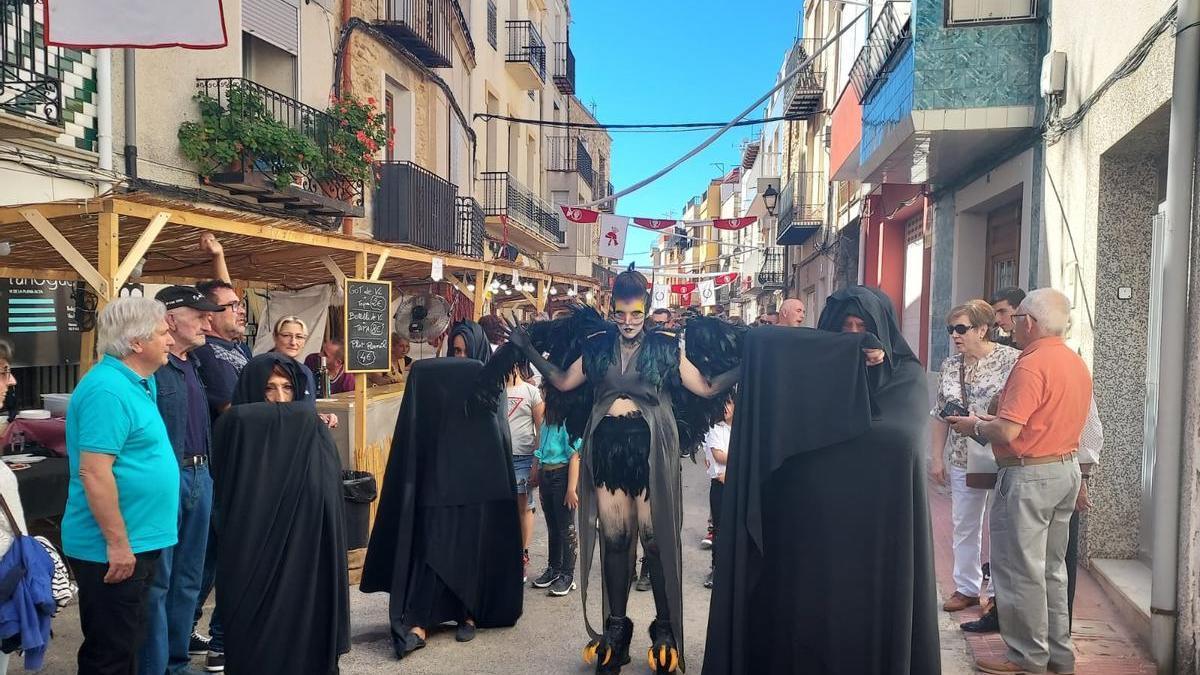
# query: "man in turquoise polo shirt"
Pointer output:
{"type": "Point", "coordinates": [123, 498]}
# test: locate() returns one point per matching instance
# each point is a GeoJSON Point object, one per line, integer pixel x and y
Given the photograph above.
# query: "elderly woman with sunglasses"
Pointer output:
{"type": "Point", "coordinates": [970, 379]}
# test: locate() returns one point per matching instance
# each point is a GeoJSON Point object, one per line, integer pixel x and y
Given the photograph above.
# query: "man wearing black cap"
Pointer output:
{"type": "Point", "coordinates": [184, 408]}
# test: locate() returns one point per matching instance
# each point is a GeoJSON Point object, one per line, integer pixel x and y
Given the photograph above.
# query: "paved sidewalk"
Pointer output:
{"type": "Point", "coordinates": [1103, 644]}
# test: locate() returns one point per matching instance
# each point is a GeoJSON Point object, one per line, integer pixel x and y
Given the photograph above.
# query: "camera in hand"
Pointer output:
{"type": "Point", "coordinates": [956, 409]}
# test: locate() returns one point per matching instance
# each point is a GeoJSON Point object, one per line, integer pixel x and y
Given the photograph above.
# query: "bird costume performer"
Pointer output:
{"type": "Point", "coordinates": [635, 398]}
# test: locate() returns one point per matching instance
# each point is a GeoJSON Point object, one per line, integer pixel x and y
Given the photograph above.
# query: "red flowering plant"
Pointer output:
{"type": "Point", "coordinates": [358, 131]}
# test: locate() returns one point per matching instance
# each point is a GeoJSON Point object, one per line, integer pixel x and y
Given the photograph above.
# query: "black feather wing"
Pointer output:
{"type": "Point", "coordinates": [562, 340]}
{"type": "Point", "coordinates": [714, 347]}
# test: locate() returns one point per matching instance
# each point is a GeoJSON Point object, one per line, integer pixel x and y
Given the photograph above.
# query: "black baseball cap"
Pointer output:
{"type": "Point", "coordinates": [186, 296]}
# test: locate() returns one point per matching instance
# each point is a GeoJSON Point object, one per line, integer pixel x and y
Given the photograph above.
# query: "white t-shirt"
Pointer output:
{"type": "Point", "coordinates": [718, 438]}
{"type": "Point", "coordinates": [522, 397]}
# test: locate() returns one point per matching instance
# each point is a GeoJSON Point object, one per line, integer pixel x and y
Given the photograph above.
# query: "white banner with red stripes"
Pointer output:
{"type": "Point", "coordinates": [145, 24]}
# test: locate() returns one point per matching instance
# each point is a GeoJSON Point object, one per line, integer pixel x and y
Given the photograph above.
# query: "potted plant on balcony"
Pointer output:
{"type": "Point", "coordinates": [240, 135]}
{"type": "Point", "coordinates": [357, 131]}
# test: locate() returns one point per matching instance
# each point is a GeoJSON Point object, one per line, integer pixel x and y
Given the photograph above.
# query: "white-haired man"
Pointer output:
{"type": "Point", "coordinates": [1035, 436]}
{"type": "Point", "coordinates": [123, 494]}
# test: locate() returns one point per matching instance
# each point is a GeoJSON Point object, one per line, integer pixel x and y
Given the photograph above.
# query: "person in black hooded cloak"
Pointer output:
{"type": "Point", "coordinates": [281, 577]}
{"type": "Point", "coordinates": [447, 542]}
{"type": "Point", "coordinates": [825, 560]}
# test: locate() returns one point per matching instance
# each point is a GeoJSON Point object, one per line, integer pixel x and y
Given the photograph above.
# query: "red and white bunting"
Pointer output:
{"type": "Point", "coordinates": [142, 24]}
{"type": "Point", "coordinates": [733, 223]}
{"type": "Point", "coordinates": [653, 223]}
{"type": "Point", "coordinates": [612, 236]}
{"type": "Point", "coordinates": [581, 216]}
{"type": "Point", "coordinates": [690, 286]}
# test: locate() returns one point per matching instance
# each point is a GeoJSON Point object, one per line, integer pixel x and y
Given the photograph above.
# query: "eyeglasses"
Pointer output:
{"type": "Point", "coordinates": [632, 317]}
{"type": "Point", "coordinates": [236, 305]}
{"type": "Point", "coordinates": [959, 328]}
{"type": "Point", "coordinates": [6, 372]}
{"type": "Point", "coordinates": [293, 336]}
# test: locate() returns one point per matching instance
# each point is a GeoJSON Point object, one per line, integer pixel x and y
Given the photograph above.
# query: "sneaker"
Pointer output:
{"type": "Point", "coordinates": [707, 541]}
{"type": "Point", "coordinates": [643, 580]}
{"type": "Point", "coordinates": [214, 662]}
{"type": "Point", "coordinates": [563, 585]}
{"type": "Point", "coordinates": [548, 577]}
{"type": "Point", "coordinates": [708, 580]}
{"type": "Point", "coordinates": [988, 623]}
{"type": "Point", "coordinates": [525, 566]}
{"type": "Point", "coordinates": [198, 645]}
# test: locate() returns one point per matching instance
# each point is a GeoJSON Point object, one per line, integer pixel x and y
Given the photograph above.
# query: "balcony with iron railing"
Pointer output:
{"type": "Point", "coordinates": [803, 94]}
{"type": "Point", "coordinates": [771, 275]}
{"type": "Point", "coordinates": [525, 60]}
{"type": "Point", "coordinates": [311, 188]}
{"type": "Point", "coordinates": [604, 188]}
{"type": "Point", "coordinates": [569, 154]}
{"type": "Point", "coordinates": [515, 214]}
{"type": "Point", "coordinates": [891, 31]}
{"type": "Point", "coordinates": [423, 27]}
{"type": "Point", "coordinates": [30, 88]}
{"type": "Point", "coordinates": [415, 206]}
{"type": "Point", "coordinates": [564, 68]}
{"type": "Point", "coordinates": [801, 208]}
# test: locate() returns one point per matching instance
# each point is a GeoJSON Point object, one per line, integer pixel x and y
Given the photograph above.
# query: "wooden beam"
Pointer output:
{"type": "Point", "coordinates": [532, 300]}
{"type": "Point", "coordinates": [543, 294]}
{"type": "Point", "coordinates": [458, 285]}
{"type": "Point", "coordinates": [69, 253]}
{"type": "Point", "coordinates": [26, 273]}
{"type": "Point", "coordinates": [52, 210]}
{"type": "Point", "coordinates": [360, 379]}
{"type": "Point", "coordinates": [108, 254]}
{"type": "Point", "coordinates": [480, 295]}
{"type": "Point", "coordinates": [379, 265]}
{"type": "Point", "coordinates": [336, 271]}
{"type": "Point", "coordinates": [139, 248]}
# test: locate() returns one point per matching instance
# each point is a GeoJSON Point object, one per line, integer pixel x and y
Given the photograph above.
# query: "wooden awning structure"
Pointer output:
{"type": "Point", "coordinates": [101, 241]}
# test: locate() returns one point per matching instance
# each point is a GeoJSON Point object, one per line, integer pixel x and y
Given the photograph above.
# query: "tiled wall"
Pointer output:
{"type": "Point", "coordinates": [973, 67]}
{"type": "Point", "coordinates": [891, 103]}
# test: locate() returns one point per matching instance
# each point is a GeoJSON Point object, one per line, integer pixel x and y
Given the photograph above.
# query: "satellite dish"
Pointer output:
{"type": "Point", "coordinates": [423, 317]}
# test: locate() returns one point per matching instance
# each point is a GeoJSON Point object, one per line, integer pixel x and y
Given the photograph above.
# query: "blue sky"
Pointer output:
{"type": "Point", "coordinates": [672, 61]}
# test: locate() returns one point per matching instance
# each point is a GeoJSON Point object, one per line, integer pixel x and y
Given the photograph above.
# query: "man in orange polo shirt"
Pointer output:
{"type": "Point", "coordinates": [1035, 436]}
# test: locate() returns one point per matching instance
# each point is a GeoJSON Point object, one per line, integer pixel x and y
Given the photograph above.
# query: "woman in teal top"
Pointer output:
{"type": "Point", "coordinates": [556, 474]}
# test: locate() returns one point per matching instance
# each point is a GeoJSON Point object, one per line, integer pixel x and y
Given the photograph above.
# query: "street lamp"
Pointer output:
{"type": "Point", "coordinates": [770, 199]}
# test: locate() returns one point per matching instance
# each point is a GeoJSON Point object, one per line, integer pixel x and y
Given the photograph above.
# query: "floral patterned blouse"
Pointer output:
{"type": "Point", "coordinates": [983, 382]}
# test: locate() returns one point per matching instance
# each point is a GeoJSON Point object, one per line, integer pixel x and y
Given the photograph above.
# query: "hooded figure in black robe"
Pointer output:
{"type": "Point", "coordinates": [475, 344]}
{"type": "Point", "coordinates": [447, 542]}
{"type": "Point", "coordinates": [281, 577]}
{"type": "Point", "coordinates": [825, 562]}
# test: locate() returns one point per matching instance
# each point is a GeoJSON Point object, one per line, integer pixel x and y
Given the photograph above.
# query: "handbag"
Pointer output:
{"type": "Point", "coordinates": [8, 582]}
{"type": "Point", "coordinates": [981, 462]}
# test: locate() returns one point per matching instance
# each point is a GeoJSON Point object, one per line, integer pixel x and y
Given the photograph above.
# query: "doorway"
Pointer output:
{"type": "Point", "coordinates": [1002, 256]}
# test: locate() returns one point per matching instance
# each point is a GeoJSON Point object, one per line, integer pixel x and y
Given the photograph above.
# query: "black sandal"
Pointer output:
{"type": "Point", "coordinates": [611, 651]}
{"type": "Point", "coordinates": [406, 645]}
{"type": "Point", "coordinates": [664, 653]}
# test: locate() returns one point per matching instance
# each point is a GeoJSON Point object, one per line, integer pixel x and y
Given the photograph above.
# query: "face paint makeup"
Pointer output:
{"type": "Point", "coordinates": [630, 317]}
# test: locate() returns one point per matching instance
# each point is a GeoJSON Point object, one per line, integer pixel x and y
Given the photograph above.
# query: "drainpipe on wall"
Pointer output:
{"type": "Point", "coordinates": [131, 150]}
{"type": "Point", "coordinates": [104, 115]}
{"type": "Point", "coordinates": [1172, 347]}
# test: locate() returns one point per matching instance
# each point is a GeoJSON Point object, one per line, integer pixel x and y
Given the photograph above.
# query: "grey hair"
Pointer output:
{"type": "Point", "coordinates": [127, 319]}
{"type": "Point", "coordinates": [1051, 308]}
{"type": "Point", "coordinates": [290, 319]}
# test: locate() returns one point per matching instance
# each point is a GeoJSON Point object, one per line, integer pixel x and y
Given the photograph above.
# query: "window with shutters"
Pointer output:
{"type": "Point", "coordinates": [492, 22]}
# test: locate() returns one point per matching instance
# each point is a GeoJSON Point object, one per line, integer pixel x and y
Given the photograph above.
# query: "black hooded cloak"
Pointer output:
{"type": "Point", "coordinates": [281, 576]}
{"type": "Point", "coordinates": [824, 561]}
{"type": "Point", "coordinates": [478, 347]}
{"type": "Point", "coordinates": [447, 512]}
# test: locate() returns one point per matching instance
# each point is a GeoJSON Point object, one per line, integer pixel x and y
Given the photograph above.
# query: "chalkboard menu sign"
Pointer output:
{"type": "Point", "coordinates": [368, 326]}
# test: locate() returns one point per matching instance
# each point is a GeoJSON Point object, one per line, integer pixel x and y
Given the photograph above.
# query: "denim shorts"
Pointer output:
{"type": "Point", "coordinates": [521, 466]}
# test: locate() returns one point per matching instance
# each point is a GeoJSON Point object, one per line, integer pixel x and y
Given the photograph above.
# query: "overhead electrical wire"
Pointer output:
{"type": "Point", "coordinates": [720, 132]}
{"type": "Point", "coordinates": [684, 126]}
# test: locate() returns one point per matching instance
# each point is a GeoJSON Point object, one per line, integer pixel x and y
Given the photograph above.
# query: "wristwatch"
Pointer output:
{"type": "Point", "coordinates": [975, 430]}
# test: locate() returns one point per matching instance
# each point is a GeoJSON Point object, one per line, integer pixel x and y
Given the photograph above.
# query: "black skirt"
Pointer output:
{"type": "Point", "coordinates": [621, 454]}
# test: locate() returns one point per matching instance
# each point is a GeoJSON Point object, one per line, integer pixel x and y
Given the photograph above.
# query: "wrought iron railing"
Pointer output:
{"type": "Point", "coordinates": [604, 189]}
{"type": "Point", "coordinates": [564, 68]}
{"type": "Point", "coordinates": [424, 28]}
{"type": "Point", "coordinates": [315, 124]}
{"type": "Point", "coordinates": [525, 46]}
{"type": "Point", "coordinates": [801, 201]}
{"type": "Point", "coordinates": [414, 206]}
{"type": "Point", "coordinates": [771, 274]}
{"type": "Point", "coordinates": [891, 30]}
{"type": "Point", "coordinates": [29, 86]}
{"type": "Point", "coordinates": [568, 153]}
{"type": "Point", "coordinates": [803, 93]}
{"type": "Point", "coordinates": [468, 228]}
{"type": "Point", "coordinates": [504, 196]}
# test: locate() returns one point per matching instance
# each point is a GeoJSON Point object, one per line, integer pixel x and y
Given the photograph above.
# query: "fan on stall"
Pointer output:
{"type": "Point", "coordinates": [423, 317]}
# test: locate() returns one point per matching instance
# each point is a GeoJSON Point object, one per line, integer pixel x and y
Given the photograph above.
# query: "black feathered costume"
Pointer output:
{"type": "Point", "coordinates": [281, 577]}
{"type": "Point", "coordinates": [446, 542]}
{"type": "Point", "coordinates": [637, 454]}
{"type": "Point", "coordinates": [825, 563]}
